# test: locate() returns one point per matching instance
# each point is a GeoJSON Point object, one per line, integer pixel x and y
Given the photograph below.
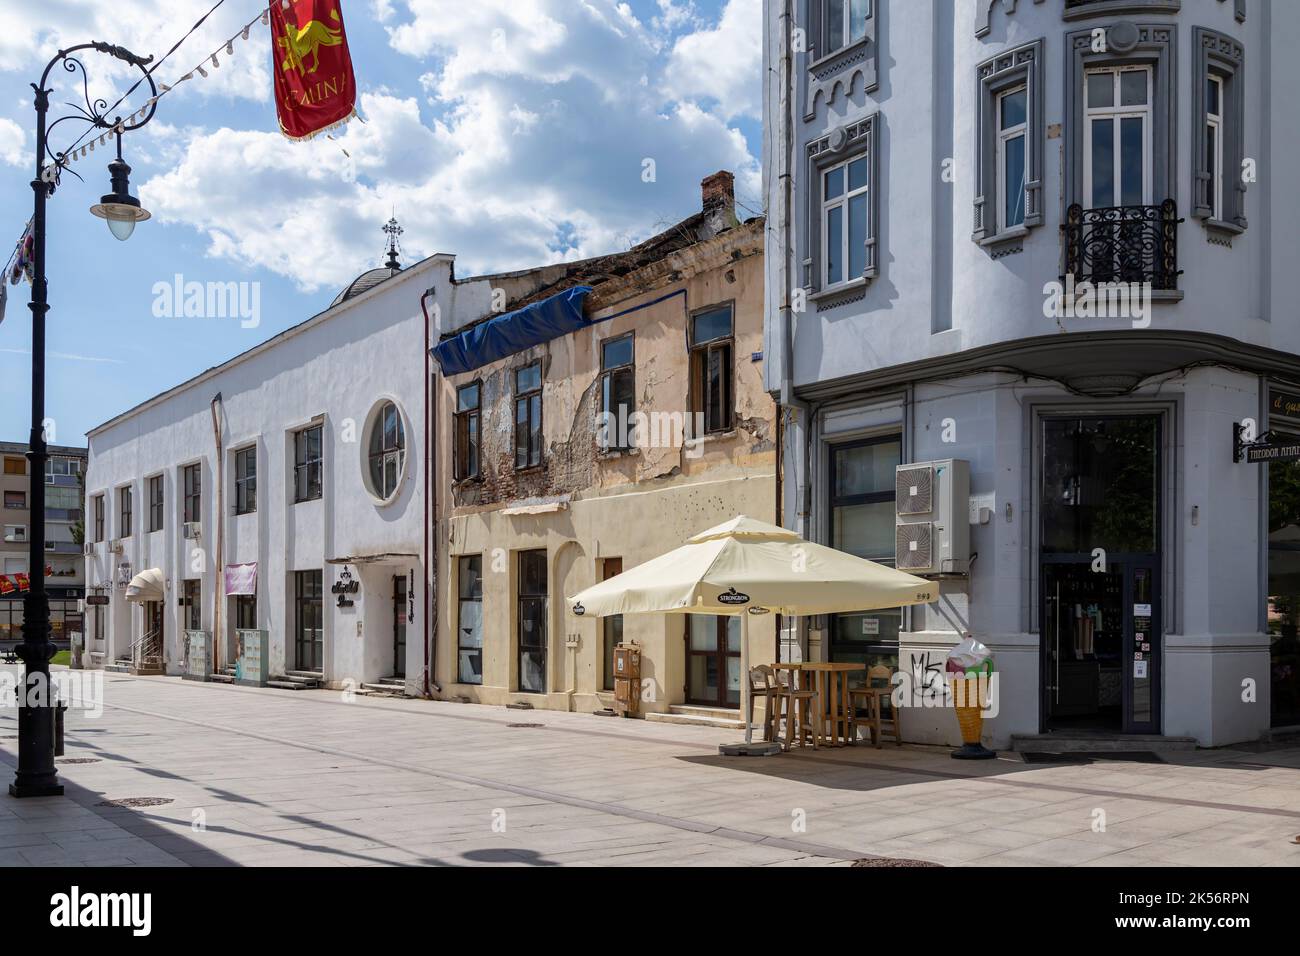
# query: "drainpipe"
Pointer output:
{"type": "Point", "coordinates": [218, 643]}
{"type": "Point", "coordinates": [430, 508]}
{"type": "Point", "coordinates": [785, 206]}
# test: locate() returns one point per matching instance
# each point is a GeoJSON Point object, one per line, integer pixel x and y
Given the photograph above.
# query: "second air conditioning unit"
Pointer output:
{"type": "Point", "coordinates": [932, 517]}
{"type": "Point", "coordinates": [191, 529]}
{"type": "Point", "coordinates": [89, 549]}
{"type": "Point", "coordinates": [116, 546]}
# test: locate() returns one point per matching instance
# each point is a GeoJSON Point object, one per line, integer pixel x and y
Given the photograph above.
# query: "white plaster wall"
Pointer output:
{"type": "Point", "coordinates": [334, 369]}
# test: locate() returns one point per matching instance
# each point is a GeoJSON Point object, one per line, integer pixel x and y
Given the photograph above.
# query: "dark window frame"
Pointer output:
{"type": "Point", "coordinates": [701, 358]}
{"type": "Point", "coordinates": [534, 605]}
{"type": "Point", "coordinates": [245, 610]}
{"type": "Point", "coordinates": [98, 504]}
{"type": "Point", "coordinates": [836, 500]}
{"type": "Point", "coordinates": [531, 401]}
{"type": "Point", "coordinates": [469, 567]}
{"type": "Point", "coordinates": [468, 433]}
{"type": "Point", "coordinates": [617, 436]}
{"type": "Point", "coordinates": [308, 595]}
{"type": "Point", "coordinates": [192, 603]}
{"type": "Point", "coordinates": [386, 453]}
{"type": "Point", "coordinates": [308, 471]}
{"type": "Point", "coordinates": [246, 480]}
{"type": "Point", "coordinates": [125, 506]}
{"type": "Point", "coordinates": [192, 493]}
{"type": "Point", "coordinates": [157, 496]}
{"type": "Point", "coordinates": [20, 496]}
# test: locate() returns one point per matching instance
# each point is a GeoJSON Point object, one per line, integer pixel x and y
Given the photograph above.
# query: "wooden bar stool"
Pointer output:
{"type": "Point", "coordinates": [800, 706]}
{"type": "Point", "coordinates": [872, 699]}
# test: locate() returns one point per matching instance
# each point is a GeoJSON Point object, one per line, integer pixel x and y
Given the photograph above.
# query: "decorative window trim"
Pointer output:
{"type": "Point", "coordinates": [836, 72]}
{"type": "Point", "coordinates": [840, 145]}
{"type": "Point", "coordinates": [984, 15]}
{"type": "Point", "coordinates": [1087, 9]}
{"type": "Point", "coordinates": [1219, 55]}
{"type": "Point", "coordinates": [1130, 44]}
{"type": "Point", "coordinates": [1020, 66]}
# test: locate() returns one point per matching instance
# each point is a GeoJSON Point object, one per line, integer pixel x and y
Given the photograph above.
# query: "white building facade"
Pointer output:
{"type": "Point", "coordinates": [961, 199]}
{"type": "Point", "coordinates": [292, 471]}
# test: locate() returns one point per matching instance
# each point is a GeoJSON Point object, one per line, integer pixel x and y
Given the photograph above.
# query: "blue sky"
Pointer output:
{"type": "Point", "coordinates": [508, 132]}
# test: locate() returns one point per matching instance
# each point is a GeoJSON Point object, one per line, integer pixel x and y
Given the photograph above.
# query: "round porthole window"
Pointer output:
{"type": "Point", "coordinates": [385, 460]}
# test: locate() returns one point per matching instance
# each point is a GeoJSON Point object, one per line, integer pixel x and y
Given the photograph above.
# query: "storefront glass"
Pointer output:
{"type": "Point", "coordinates": [862, 523]}
{"type": "Point", "coordinates": [1284, 590]}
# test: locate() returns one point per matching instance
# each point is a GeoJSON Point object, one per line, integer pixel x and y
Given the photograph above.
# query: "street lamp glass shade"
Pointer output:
{"type": "Point", "coordinates": [121, 217]}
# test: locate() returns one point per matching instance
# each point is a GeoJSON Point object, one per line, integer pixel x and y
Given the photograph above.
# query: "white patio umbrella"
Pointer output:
{"type": "Point", "coordinates": [746, 566]}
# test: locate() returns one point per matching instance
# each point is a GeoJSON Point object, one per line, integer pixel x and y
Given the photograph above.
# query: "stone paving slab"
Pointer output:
{"type": "Point", "coordinates": [259, 777]}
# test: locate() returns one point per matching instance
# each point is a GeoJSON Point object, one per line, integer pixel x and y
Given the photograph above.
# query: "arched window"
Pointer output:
{"type": "Point", "coordinates": [387, 451]}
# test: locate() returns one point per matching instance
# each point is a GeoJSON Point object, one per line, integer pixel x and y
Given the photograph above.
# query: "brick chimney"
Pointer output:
{"type": "Point", "coordinates": [719, 193]}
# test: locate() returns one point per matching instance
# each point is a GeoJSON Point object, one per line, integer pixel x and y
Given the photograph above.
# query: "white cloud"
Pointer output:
{"type": "Point", "coordinates": [526, 148]}
{"type": "Point", "coordinates": [722, 65]}
{"type": "Point", "coordinates": [13, 142]}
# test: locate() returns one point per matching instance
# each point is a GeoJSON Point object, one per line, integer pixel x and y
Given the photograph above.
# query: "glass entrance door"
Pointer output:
{"type": "Point", "coordinates": [1101, 645]}
{"type": "Point", "coordinates": [712, 660]}
{"type": "Point", "coordinates": [1099, 595]}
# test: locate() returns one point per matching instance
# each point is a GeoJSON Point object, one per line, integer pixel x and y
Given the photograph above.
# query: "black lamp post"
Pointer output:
{"type": "Point", "coordinates": [36, 776]}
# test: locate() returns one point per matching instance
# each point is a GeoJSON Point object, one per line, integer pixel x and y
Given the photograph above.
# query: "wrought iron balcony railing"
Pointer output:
{"type": "Point", "coordinates": [1123, 244]}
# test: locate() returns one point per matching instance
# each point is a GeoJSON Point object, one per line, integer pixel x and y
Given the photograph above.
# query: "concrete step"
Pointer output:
{"type": "Point", "coordinates": [117, 667]}
{"type": "Point", "coordinates": [289, 684]}
{"type": "Point", "coordinates": [222, 678]}
{"type": "Point", "coordinates": [147, 670]}
{"type": "Point", "coordinates": [1081, 742]}
{"type": "Point", "coordinates": [382, 690]}
{"type": "Point", "coordinates": [699, 717]}
{"type": "Point", "coordinates": [307, 675]}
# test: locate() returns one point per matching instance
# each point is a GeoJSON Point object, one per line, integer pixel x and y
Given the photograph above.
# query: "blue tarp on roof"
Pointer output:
{"type": "Point", "coordinates": [513, 332]}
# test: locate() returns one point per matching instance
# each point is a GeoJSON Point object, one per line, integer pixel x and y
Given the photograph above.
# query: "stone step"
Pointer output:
{"type": "Point", "coordinates": [222, 678]}
{"type": "Point", "coordinates": [382, 689]}
{"type": "Point", "coordinates": [306, 675]}
{"type": "Point", "coordinates": [699, 717]}
{"type": "Point", "coordinates": [117, 667]}
{"type": "Point", "coordinates": [1078, 742]}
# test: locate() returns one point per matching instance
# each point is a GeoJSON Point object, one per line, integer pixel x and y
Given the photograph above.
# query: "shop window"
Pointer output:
{"type": "Point", "coordinates": [611, 626]}
{"type": "Point", "coordinates": [617, 391]}
{"type": "Point", "coordinates": [246, 480]}
{"type": "Point", "coordinates": [1009, 137]}
{"type": "Point", "coordinates": [1283, 613]}
{"type": "Point", "coordinates": [245, 612]}
{"type": "Point", "coordinates": [1100, 485]}
{"type": "Point", "coordinates": [307, 464]}
{"type": "Point", "coordinates": [124, 511]}
{"type": "Point", "coordinates": [1219, 146]}
{"type": "Point", "coordinates": [862, 524]}
{"type": "Point", "coordinates": [528, 416]}
{"type": "Point", "coordinates": [843, 209]}
{"type": "Point", "coordinates": [156, 503]}
{"type": "Point", "coordinates": [712, 369]}
{"type": "Point", "coordinates": [387, 457]}
{"type": "Point", "coordinates": [532, 597]}
{"type": "Point", "coordinates": [469, 619]}
{"type": "Point", "coordinates": [192, 605]}
{"type": "Point", "coordinates": [466, 453]}
{"type": "Point", "coordinates": [191, 483]}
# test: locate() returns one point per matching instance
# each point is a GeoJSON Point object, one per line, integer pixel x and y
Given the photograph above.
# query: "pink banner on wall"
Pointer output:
{"type": "Point", "coordinates": [241, 578]}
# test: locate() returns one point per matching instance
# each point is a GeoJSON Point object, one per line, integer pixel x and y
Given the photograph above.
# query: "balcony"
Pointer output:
{"type": "Point", "coordinates": [1129, 244]}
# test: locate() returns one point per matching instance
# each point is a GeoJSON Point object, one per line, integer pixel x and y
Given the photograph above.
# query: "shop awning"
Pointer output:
{"type": "Point", "coordinates": [386, 557]}
{"type": "Point", "coordinates": [146, 586]}
{"type": "Point", "coordinates": [513, 332]}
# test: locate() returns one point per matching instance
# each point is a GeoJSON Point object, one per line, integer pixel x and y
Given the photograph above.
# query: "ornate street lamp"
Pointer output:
{"type": "Point", "coordinates": [36, 776]}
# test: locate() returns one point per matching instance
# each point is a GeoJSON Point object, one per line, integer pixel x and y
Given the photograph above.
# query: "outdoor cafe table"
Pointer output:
{"type": "Point", "coordinates": [831, 682]}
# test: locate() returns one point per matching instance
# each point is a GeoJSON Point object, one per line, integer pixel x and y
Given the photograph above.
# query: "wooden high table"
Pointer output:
{"type": "Point", "coordinates": [831, 681]}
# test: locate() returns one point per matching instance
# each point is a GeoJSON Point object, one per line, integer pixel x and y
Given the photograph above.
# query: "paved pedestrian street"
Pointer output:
{"type": "Point", "coordinates": [308, 778]}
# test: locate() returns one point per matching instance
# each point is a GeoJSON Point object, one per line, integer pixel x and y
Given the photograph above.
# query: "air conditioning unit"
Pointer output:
{"type": "Point", "coordinates": [932, 517]}
{"type": "Point", "coordinates": [116, 546]}
{"type": "Point", "coordinates": [51, 546]}
{"type": "Point", "coordinates": [191, 529]}
{"type": "Point", "coordinates": [89, 549]}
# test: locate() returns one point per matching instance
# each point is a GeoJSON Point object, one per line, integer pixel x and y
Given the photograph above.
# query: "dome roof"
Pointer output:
{"type": "Point", "coordinates": [366, 281]}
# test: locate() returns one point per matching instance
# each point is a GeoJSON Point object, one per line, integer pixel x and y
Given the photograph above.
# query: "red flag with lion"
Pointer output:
{"type": "Point", "coordinates": [314, 85]}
